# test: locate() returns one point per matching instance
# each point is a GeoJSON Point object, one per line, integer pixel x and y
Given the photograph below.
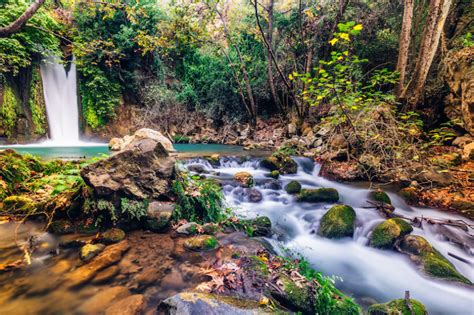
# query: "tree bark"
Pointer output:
{"type": "Point", "coordinates": [438, 12]}
{"type": "Point", "coordinates": [19, 23]}
{"type": "Point", "coordinates": [405, 37]}
{"type": "Point", "coordinates": [271, 80]}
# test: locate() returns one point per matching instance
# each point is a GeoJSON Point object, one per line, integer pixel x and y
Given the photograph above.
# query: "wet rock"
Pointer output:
{"type": "Point", "coordinates": [111, 236]}
{"type": "Point", "coordinates": [131, 305]}
{"type": "Point", "coordinates": [338, 222]}
{"type": "Point", "coordinates": [380, 196]}
{"type": "Point", "coordinates": [245, 179]}
{"type": "Point", "coordinates": [260, 226]}
{"type": "Point", "coordinates": [340, 171]}
{"type": "Point", "coordinates": [103, 299]}
{"type": "Point", "coordinates": [254, 195]}
{"type": "Point", "coordinates": [61, 227]}
{"type": "Point", "coordinates": [143, 169]}
{"type": "Point", "coordinates": [190, 228]}
{"type": "Point", "coordinates": [293, 187]}
{"type": "Point", "coordinates": [159, 216]}
{"type": "Point", "coordinates": [434, 176]}
{"type": "Point", "coordinates": [109, 256]}
{"type": "Point", "coordinates": [386, 233]}
{"type": "Point", "coordinates": [214, 159]}
{"type": "Point", "coordinates": [201, 242]}
{"type": "Point", "coordinates": [196, 168]}
{"type": "Point", "coordinates": [296, 296]}
{"type": "Point", "coordinates": [431, 261]}
{"type": "Point", "coordinates": [280, 162]}
{"type": "Point", "coordinates": [106, 275]}
{"type": "Point", "coordinates": [318, 195]}
{"type": "Point", "coordinates": [274, 174]}
{"type": "Point", "coordinates": [190, 303]}
{"type": "Point", "coordinates": [89, 251]}
{"type": "Point", "coordinates": [398, 306]}
{"type": "Point", "coordinates": [410, 194]}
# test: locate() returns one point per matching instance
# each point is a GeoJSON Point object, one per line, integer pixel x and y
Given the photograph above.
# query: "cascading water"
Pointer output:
{"type": "Point", "coordinates": [370, 275]}
{"type": "Point", "coordinates": [60, 94]}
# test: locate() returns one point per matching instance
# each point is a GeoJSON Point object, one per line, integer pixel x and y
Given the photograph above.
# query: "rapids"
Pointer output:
{"type": "Point", "coordinates": [369, 275]}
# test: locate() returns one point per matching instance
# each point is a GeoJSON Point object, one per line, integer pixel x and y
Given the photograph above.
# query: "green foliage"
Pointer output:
{"type": "Point", "coordinates": [37, 105]}
{"type": "Point", "coordinates": [180, 139]}
{"type": "Point", "coordinates": [8, 110]}
{"type": "Point", "coordinates": [468, 40]}
{"type": "Point", "coordinates": [133, 209]}
{"type": "Point", "coordinates": [21, 49]}
{"type": "Point", "coordinates": [198, 200]}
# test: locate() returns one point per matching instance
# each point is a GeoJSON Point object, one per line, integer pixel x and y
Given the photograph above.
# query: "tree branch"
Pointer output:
{"type": "Point", "coordinates": [19, 23]}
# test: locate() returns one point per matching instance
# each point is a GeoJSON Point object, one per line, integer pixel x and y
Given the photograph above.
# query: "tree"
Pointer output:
{"type": "Point", "coordinates": [405, 37]}
{"type": "Point", "coordinates": [19, 23]}
{"type": "Point", "coordinates": [434, 25]}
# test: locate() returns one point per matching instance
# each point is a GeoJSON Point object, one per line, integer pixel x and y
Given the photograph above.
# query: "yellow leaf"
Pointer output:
{"type": "Point", "coordinates": [333, 41]}
{"type": "Point", "coordinates": [344, 36]}
{"type": "Point", "coordinates": [290, 76]}
{"type": "Point", "coordinates": [358, 27]}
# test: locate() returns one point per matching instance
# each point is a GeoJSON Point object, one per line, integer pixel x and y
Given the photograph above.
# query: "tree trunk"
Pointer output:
{"type": "Point", "coordinates": [405, 37]}
{"type": "Point", "coordinates": [18, 24]}
{"type": "Point", "coordinates": [271, 81]}
{"type": "Point", "coordinates": [438, 12]}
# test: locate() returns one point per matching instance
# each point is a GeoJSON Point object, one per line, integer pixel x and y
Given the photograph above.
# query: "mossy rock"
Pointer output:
{"type": "Point", "coordinates": [280, 162]}
{"type": "Point", "coordinates": [380, 196]}
{"type": "Point", "coordinates": [433, 263]}
{"type": "Point", "coordinates": [274, 174]}
{"type": "Point", "coordinates": [386, 233]}
{"type": "Point", "coordinates": [245, 179]}
{"type": "Point", "coordinates": [294, 295]}
{"type": "Point", "coordinates": [260, 226]}
{"type": "Point", "coordinates": [318, 195]}
{"type": "Point", "coordinates": [113, 235]}
{"type": "Point", "coordinates": [160, 222]}
{"type": "Point", "coordinates": [410, 194]}
{"type": "Point", "coordinates": [61, 227]}
{"type": "Point", "coordinates": [89, 251]}
{"type": "Point", "coordinates": [398, 307]}
{"type": "Point", "coordinates": [338, 222]}
{"type": "Point", "coordinates": [293, 187]}
{"type": "Point", "coordinates": [191, 228]}
{"type": "Point", "coordinates": [210, 228]}
{"type": "Point", "coordinates": [19, 205]}
{"type": "Point", "coordinates": [201, 243]}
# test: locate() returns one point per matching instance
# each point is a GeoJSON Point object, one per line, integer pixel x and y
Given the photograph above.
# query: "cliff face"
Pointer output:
{"type": "Point", "coordinates": [22, 107]}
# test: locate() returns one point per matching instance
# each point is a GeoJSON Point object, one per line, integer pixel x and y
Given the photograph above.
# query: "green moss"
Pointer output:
{"type": "Point", "coordinates": [280, 162]}
{"type": "Point", "coordinates": [381, 196]}
{"type": "Point", "coordinates": [437, 266]}
{"type": "Point", "coordinates": [318, 195]}
{"type": "Point", "coordinates": [338, 222]}
{"type": "Point", "coordinates": [293, 187]}
{"type": "Point", "coordinates": [396, 307]}
{"type": "Point", "coordinates": [260, 226]}
{"type": "Point", "coordinates": [8, 110]}
{"type": "Point", "coordinates": [201, 242]}
{"type": "Point", "coordinates": [431, 260]}
{"type": "Point", "coordinates": [274, 174]}
{"type": "Point", "coordinates": [19, 205]}
{"type": "Point", "coordinates": [410, 194]}
{"type": "Point", "coordinates": [386, 233]}
{"type": "Point", "coordinates": [37, 105]}
{"type": "Point", "coordinates": [295, 296]}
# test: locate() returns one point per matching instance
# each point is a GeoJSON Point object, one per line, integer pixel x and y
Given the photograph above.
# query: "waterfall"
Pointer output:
{"type": "Point", "coordinates": [60, 94]}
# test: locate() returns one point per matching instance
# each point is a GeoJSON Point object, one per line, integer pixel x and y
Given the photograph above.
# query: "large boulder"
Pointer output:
{"type": "Point", "coordinates": [159, 215]}
{"type": "Point", "coordinates": [398, 306]}
{"type": "Point", "coordinates": [432, 262]}
{"type": "Point", "coordinates": [338, 222]}
{"type": "Point", "coordinates": [386, 233]}
{"type": "Point", "coordinates": [143, 169]}
{"type": "Point", "coordinates": [245, 179]}
{"type": "Point", "coordinates": [293, 187]}
{"type": "Point", "coordinates": [127, 142]}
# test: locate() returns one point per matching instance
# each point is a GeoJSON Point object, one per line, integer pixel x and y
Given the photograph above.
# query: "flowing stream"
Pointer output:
{"type": "Point", "coordinates": [370, 275]}
{"type": "Point", "coordinates": [60, 94]}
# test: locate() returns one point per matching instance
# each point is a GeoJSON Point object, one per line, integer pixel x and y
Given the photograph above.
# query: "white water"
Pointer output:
{"type": "Point", "coordinates": [60, 94]}
{"type": "Point", "coordinates": [368, 274]}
